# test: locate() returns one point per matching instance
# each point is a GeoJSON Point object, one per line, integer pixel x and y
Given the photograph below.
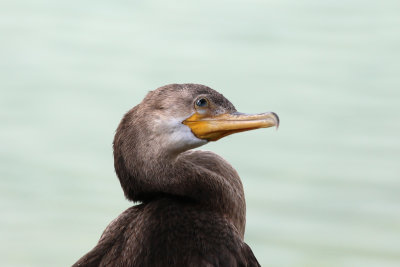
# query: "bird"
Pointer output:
{"type": "Point", "coordinates": [189, 204]}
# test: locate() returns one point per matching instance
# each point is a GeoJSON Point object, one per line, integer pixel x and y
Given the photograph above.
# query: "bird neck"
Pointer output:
{"type": "Point", "coordinates": [200, 176]}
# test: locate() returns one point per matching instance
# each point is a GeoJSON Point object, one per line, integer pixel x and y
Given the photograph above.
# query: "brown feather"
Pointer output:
{"type": "Point", "coordinates": [192, 210]}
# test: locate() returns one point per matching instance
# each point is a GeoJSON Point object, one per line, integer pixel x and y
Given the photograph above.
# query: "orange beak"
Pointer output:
{"type": "Point", "coordinates": [213, 128]}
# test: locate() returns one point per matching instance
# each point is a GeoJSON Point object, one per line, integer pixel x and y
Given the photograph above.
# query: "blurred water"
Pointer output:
{"type": "Point", "coordinates": [322, 191]}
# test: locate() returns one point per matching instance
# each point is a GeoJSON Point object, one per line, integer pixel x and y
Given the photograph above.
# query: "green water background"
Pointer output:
{"type": "Point", "coordinates": [324, 190]}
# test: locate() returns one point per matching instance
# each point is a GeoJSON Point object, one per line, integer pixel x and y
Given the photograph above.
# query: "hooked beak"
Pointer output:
{"type": "Point", "coordinates": [213, 128]}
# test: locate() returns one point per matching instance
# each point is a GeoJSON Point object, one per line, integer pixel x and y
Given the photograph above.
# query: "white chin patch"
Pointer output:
{"type": "Point", "coordinates": [179, 137]}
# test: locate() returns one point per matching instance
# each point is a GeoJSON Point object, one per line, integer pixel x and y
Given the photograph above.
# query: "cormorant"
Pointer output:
{"type": "Point", "coordinates": [192, 206]}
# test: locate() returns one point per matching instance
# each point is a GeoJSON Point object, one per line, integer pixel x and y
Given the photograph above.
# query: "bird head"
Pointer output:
{"type": "Point", "coordinates": [179, 117]}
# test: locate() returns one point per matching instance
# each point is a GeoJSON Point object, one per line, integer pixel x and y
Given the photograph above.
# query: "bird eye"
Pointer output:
{"type": "Point", "coordinates": [202, 102]}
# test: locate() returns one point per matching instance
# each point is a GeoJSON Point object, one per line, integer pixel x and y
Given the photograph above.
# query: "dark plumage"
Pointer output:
{"type": "Point", "coordinates": [192, 210]}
